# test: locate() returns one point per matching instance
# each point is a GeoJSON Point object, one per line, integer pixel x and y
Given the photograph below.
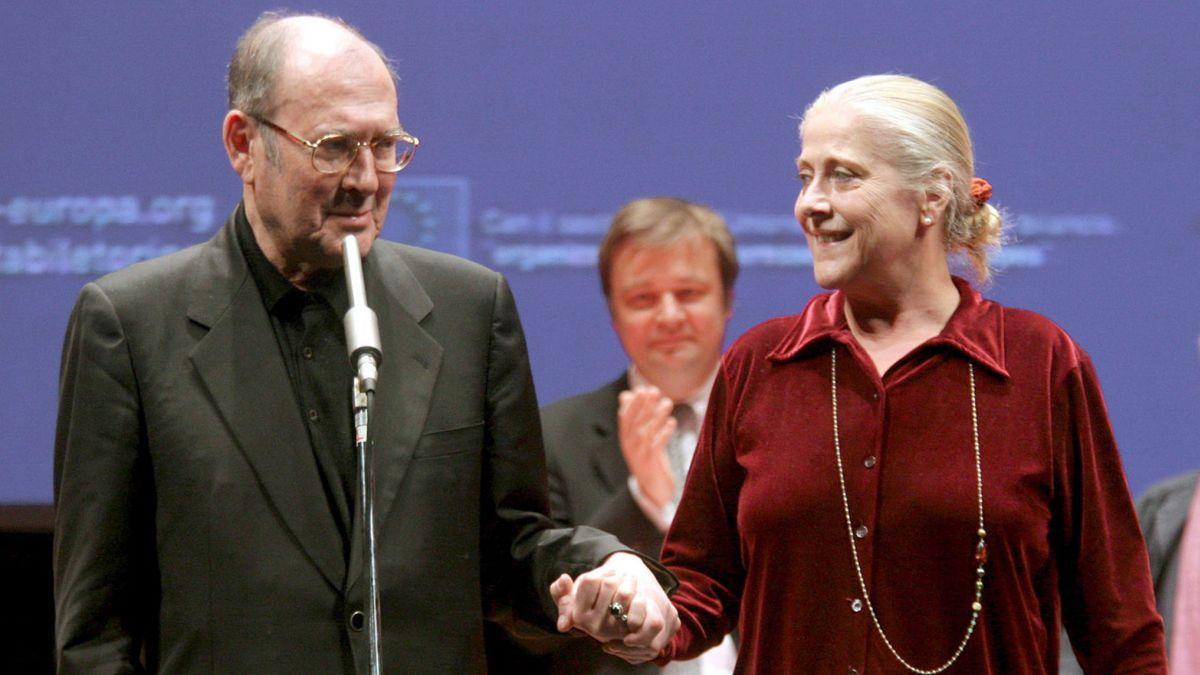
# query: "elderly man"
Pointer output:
{"type": "Point", "coordinates": [204, 458]}
{"type": "Point", "coordinates": [618, 455]}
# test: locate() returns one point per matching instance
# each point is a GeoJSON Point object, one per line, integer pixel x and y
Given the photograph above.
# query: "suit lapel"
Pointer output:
{"type": "Point", "coordinates": [605, 444]}
{"type": "Point", "coordinates": [407, 374]}
{"type": "Point", "coordinates": [239, 362]}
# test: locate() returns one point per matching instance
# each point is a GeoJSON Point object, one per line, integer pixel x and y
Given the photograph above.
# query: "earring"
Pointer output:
{"type": "Point", "coordinates": [927, 219]}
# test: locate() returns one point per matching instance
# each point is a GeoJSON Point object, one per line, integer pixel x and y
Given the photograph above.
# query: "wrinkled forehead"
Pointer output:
{"type": "Point", "coordinates": [340, 105]}
{"type": "Point", "coordinates": [836, 130]}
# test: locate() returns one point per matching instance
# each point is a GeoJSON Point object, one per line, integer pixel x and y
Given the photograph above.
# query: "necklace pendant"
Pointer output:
{"type": "Point", "coordinates": [981, 555]}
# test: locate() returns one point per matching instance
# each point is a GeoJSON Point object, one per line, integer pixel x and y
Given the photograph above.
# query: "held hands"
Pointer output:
{"type": "Point", "coordinates": [621, 605]}
{"type": "Point", "coordinates": [645, 425]}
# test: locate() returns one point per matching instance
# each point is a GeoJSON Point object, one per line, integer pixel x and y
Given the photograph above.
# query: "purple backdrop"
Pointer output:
{"type": "Point", "coordinates": [539, 119]}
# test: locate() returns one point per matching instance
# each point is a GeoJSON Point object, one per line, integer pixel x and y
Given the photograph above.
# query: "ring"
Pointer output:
{"type": "Point", "coordinates": [618, 612]}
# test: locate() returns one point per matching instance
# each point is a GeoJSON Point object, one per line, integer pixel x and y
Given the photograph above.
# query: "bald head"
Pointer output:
{"type": "Point", "coordinates": [278, 43]}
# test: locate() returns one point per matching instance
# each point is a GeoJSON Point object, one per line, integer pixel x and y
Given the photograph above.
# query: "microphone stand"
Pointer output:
{"type": "Point", "coordinates": [363, 402]}
{"type": "Point", "coordinates": [363, 345]}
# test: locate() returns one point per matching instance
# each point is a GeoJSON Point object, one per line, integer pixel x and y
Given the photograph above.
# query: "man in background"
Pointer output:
{"type": "Point", "coordinates": [618, 455]}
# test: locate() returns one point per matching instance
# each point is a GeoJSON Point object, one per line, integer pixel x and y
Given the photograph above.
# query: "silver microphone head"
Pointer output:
{"type": "Point", "coordinates": [353, 267]}
{"type": "Point", "coordinates": [361, 325]}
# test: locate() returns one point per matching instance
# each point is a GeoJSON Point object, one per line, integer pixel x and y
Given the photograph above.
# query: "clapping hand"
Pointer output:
{"type": "Point", "coordinates": [645, 425]}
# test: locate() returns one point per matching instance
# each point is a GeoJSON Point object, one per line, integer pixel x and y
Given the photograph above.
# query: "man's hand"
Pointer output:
{"type": "Point", "coordinates": [619, 604]}
{"type": "Point", "coordinates": [645, 424]}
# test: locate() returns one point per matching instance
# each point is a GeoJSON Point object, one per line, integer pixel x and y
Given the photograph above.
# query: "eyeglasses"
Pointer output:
{"type": "Point", "coordinates": [333, 153]}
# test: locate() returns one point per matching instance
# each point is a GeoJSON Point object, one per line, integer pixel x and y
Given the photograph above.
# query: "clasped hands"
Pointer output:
{"type": "Point", "coordinates": [621, 605]}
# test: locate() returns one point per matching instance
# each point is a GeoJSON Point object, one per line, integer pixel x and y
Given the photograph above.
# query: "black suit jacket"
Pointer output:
{"type": "Point", "coordinates": [589, 486]}
{"type": "Point", "coordinates": [192, 533]}
{"type": "Point", "coordinates": [1163, 513]}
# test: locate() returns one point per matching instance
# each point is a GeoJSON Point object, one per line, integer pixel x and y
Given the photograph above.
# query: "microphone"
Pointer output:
{"type": "Point", "coordinates": [362, 327]}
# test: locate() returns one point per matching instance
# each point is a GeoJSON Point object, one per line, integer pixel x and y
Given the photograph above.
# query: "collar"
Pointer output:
{"type": "Point", "coordinates": [698, 403]}
{"type": "Point", "coordinates": [279, 295]}
{"type": "Point", "coordinates": [976, 329]}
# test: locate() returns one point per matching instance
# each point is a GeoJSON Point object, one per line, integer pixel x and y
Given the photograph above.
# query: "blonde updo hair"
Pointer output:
{"type": "Point", "coordinates": [922, 133]}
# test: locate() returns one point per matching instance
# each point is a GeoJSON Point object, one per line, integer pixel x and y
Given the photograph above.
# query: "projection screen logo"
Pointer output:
{"type": "Point", "coordinates": [92, 235]}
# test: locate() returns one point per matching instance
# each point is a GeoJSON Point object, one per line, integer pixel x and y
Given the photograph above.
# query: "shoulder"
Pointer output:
{"type": "Point", "coordinates": [1026, 325]}
{"type": "Point", "coordinates": [763, 338]}
{"type": "Point", "coordinates": [754, 357]}
{"type": "Point", "coordinates": [1033, 338]}
{"type": "Point", "coordinates": [784, 338]}
{"type": "Point", "coordinates": [1175, 489]}
{"type": "Point", "coordinates": [1163, 513]}
{"type": "Point", "coordinates": [148, 280]}
{"type": "Point", "coordinates": [142, 296]}
{"type": "Point", "coordinates": [581, 409]}
{"type": "Point", "coordinates": [436, 269]}
{"type": "Point", "coordinates": [461, 296]}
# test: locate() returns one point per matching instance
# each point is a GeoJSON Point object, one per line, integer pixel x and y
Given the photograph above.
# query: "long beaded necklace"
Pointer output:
{"type": "Point", "coordinates": [980, 547]}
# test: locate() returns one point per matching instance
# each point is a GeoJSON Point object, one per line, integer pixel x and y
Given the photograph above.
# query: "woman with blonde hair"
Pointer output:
{"type": "Point", "coordinates": [906, 477]}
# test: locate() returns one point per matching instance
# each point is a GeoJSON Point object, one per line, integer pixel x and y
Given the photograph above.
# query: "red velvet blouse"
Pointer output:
{"type": "Point", "coordinates": [760, 540]}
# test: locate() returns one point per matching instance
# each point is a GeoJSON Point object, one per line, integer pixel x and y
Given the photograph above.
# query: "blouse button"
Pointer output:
{"type": "Point", "coordinates": [874, 396]}
{"type": "Point", "coordinates": [856, 605]}
{"type": "Point", "coordinates": [307, 352]}
{"type": "Point", "coordinates": [861, 532]}
{"type": "Point", "coordinates": [869, 461]}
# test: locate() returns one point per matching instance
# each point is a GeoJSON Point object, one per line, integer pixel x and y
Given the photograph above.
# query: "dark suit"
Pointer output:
{"type": "Point", "coordinates": [589, 486]}
{"type": "Point", "coordinates": [192, 531]}
{"type": "Point", "coordinates": [1163, 513]}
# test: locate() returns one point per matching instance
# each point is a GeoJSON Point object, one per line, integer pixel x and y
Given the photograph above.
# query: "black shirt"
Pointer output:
{"type": "Point", "coordinates": [308, 330]}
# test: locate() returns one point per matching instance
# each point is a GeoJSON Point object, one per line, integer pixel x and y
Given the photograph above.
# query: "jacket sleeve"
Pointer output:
{"type": "Point", "coordinates": [1104, 578]}
{"type": "Point", "coordinates": [105, 577]}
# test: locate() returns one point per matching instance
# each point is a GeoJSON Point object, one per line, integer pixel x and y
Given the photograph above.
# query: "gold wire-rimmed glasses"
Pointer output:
{"type": "Point", "coordinates": [333, 153]}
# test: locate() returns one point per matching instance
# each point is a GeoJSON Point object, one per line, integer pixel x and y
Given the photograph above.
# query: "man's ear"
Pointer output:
{"type": "Point", "coordinates": [237, 133]}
